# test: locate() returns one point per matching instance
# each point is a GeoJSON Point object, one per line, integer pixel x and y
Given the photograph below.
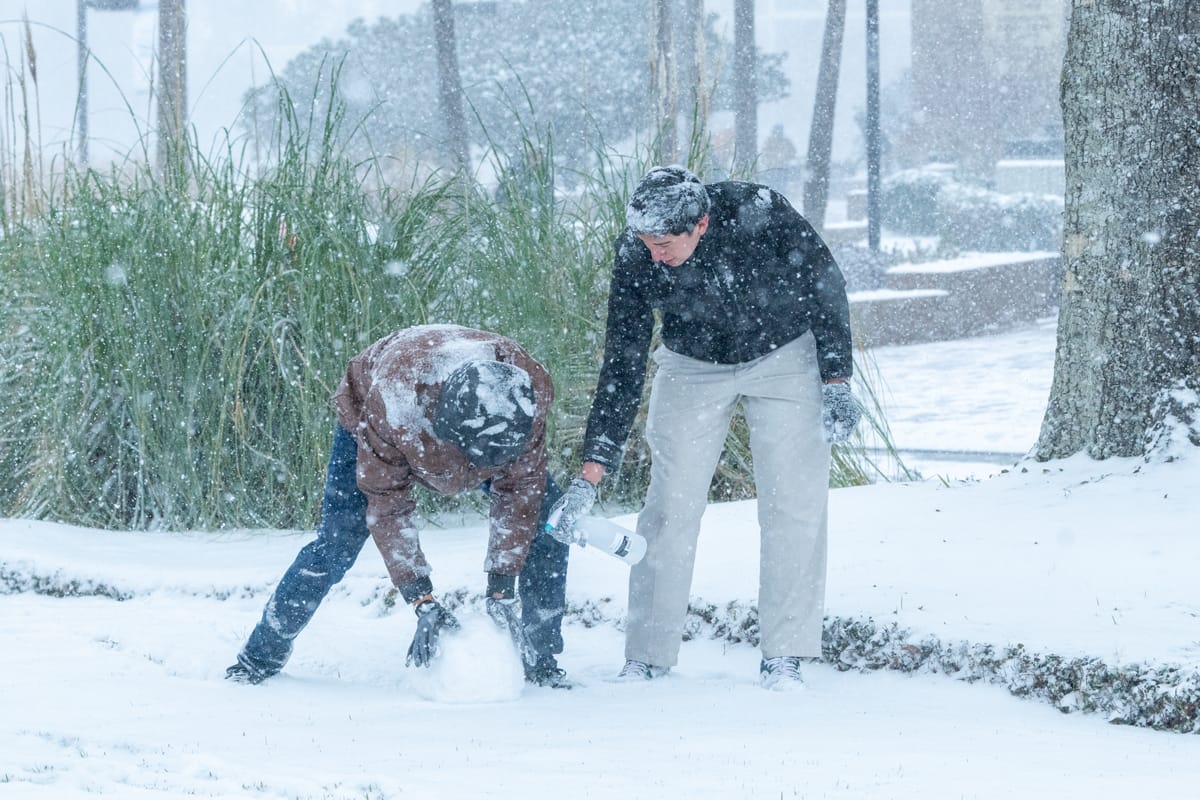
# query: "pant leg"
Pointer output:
{"type": "Point", "coordinates": [781, 399]}
{"type": "Point", "coordinates": [691, 403]}
{"type": "Point", "coordinates": [543, 583]}
{"type": "Point", "coordinates": [318, 566]}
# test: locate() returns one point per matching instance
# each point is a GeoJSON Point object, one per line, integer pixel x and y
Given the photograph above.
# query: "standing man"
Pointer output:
{"type": "Point", "coordinates": [754, 312]}
{"type": "Point", "coordinates": [450, 409]}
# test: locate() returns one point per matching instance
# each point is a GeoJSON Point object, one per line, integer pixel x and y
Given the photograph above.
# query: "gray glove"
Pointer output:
{"type": "Point", "coordinates": [504, 614]}
{"type": "Point", "coordinates": [432, 619]}
{"type": "Point", "coordinates": [839, 412]}
{"type": "Point", "coordinates": [576, 502]}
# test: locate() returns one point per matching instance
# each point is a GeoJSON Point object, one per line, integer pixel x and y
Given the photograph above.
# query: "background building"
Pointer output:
{"type": "Point", "coordinates": [985, 77]}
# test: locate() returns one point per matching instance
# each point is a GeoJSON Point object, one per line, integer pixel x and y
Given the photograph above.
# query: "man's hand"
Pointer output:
{"type": "Point", "coordinates": [504, 614]}
{"type": "Point", "coordinates": [432, 619]}
{"type": "Point", "coordinates": [839, 412]}
{"type": "Point", "coordinates": [576, 502]}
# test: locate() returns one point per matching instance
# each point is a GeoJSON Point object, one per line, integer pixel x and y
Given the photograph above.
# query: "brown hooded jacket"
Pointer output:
{"type": "Point", "coordinates": [386, 402]}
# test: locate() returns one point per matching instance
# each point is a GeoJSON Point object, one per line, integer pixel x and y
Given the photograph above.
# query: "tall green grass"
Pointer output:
{"type": "Point", "coordinates": [175, 342]}
{"type": "Point", "coordinates": [170, 338]}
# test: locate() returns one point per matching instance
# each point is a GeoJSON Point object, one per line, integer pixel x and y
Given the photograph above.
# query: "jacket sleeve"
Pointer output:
{"type": "Point", "coordinates": [627, 335]}
{"type": "Point", "coordinates": [825, 290]}
{"type": "Point", "coordinates": [385, 478]}
{"type": "Point", "coordinates": [516, 500]}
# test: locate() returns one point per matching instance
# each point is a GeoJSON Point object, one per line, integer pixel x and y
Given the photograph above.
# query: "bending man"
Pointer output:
{"type": "Point", "coordinates": [451, 409]}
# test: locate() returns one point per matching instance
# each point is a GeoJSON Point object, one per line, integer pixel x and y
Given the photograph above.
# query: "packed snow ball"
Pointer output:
{"type": "Point", "coordinates": [477, 664]}
{"type": "Point", "coordinates": [667, 202]}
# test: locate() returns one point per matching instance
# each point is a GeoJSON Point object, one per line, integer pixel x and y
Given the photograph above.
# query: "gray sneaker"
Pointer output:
{"type": "Point", "coordinates": [781, 673]}
{"type": "Point", "coordinates": [640, 671]}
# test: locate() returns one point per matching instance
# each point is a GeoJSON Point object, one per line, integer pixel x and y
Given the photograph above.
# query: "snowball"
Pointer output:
{"type": "Point", "coordinates": [477, 664]}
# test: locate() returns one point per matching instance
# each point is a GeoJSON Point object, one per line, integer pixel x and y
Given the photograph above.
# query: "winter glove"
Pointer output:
{"type": "Point", "coordinates": [504, 614]}
{"type": "Point", "coordinates": [432, 618]}
{"type": "Point", "coordinates": [576, 502]}
{"type": "Point", "coordinates": [839, 412]}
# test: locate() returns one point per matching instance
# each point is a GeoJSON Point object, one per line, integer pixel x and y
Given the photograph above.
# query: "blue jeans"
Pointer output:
{"type": "Point", "coordinates": [340, 537]}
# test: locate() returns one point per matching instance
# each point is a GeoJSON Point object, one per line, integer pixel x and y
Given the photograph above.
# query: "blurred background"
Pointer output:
{"type": "Point", "coordinates": [972, 83]}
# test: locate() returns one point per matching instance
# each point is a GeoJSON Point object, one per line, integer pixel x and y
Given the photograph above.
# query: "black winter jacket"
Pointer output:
{"type": "Point", "coordinates": [760, 277]}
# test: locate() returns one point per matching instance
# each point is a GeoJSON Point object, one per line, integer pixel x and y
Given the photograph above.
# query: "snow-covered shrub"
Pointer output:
{"type": "Point", "coordinates": [909, 201]}
{"type": "Point", "coordinates": [863, 268]}
{"type": "Point", "coordinates": [1164, 697]}
{"type": "Point", "coordinates": [979, 219]}
{"type": "Point", "coordinates": [928, 202]}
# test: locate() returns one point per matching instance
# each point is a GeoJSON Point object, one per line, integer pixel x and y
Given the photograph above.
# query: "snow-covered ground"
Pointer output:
{"type": "Point", "coordinates": [125, 697]}
{"type": "Point", "coordinates": [966, 408]}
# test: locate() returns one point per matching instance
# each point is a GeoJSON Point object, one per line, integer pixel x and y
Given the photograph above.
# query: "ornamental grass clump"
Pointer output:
{"type": "Point", "coordinates": [173, 332]}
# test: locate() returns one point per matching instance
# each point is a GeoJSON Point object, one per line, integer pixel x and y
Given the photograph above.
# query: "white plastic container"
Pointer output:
{"type": "Point", "coordinates": [618, 542]}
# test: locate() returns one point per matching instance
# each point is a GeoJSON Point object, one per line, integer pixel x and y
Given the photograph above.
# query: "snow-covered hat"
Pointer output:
{"type": "Point", "coordinates": [486, 409]}
{"type": "Point", "coordinates": [667, 202]}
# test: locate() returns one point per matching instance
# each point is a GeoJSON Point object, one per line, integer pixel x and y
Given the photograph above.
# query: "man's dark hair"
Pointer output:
{"type": "Point", "coordinates": [667, 202]}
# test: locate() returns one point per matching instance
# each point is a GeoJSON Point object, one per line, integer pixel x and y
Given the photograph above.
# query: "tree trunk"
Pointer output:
{"type": "Point", "coordinates": [820, 136]}
{"type": "Point", "coordinates": [172, 83]}
{"type": "Point", "coordinates": [663, 87]}
{"type": "Point", "coordinates": [874, 138]}
{"type": "Point", "coordinates": [450, 93]}
{"type": "Point", "coordinates": [692, 92]}
{"type": "Point", "coordinates": [1127, 367]}
{"type": "Point", "coordinates": [745, 89]}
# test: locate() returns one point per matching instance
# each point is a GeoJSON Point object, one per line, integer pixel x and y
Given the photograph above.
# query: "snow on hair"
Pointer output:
{"type": "Point", "coordinates": [668, 201]}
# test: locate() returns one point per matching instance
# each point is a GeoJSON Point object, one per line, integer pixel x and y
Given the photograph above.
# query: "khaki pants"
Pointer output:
{"type": "Point", "coordinates": [691, 403]}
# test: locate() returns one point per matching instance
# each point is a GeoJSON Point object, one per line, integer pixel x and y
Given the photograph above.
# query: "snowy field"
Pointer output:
{"type": "Point", "coordinates": [119, 693]}
{"type": "Point", "coordinates": [961, 409]}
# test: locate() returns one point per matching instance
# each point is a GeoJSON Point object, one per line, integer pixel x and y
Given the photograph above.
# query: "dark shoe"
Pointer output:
{"type": "Point", "coordinates": [640, 671]}
{"type": "Point", "coordinates": [244, 673]}
{"type": "Point", "coordinates": [547, 673]}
